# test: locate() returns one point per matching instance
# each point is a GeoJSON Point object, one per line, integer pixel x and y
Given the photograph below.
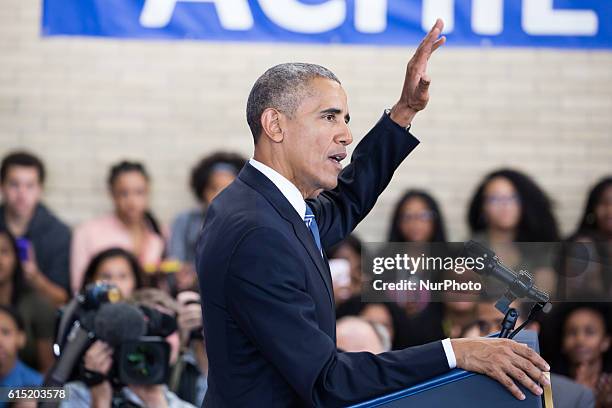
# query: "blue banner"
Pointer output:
{"type": "Point", "coordinates": [510, 23]}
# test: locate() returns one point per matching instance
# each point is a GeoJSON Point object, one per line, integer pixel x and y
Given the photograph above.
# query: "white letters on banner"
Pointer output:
{"type": "Point", "coordinates": [539, 18]}
{"type": "Point", "coordinates": [234, 15]}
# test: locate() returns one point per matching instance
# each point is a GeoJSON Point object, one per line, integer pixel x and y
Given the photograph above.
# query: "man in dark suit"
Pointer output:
{"type": "Point", "coordinates": [266, 287]}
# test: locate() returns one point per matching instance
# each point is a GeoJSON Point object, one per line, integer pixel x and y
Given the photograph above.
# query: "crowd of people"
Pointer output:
{"type": "Point", "coordinates": [44, 263]}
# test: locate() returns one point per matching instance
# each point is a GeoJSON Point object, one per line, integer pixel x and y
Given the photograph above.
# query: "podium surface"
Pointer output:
{"type": "Point", "coordinates": [459, 388]}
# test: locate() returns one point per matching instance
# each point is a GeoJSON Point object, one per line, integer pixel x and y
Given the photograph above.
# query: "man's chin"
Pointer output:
{"type": "Point", "coordinates": [331, 184]}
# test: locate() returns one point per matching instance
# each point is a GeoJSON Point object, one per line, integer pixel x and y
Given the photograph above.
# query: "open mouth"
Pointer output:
{"type": "Point", "coordinates": [337, 158]}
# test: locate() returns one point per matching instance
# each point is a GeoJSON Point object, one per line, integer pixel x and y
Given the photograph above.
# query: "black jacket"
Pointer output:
{"type": "Point", "coordinates": [267, 295]}
{"type": "Point", "coordinates": [50, 238]}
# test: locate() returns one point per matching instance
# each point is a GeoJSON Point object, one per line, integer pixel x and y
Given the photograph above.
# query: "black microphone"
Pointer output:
{"type": "Point", "coordinates": [520, 285]}
{"type": "Point", "coordinates": [116, 323]}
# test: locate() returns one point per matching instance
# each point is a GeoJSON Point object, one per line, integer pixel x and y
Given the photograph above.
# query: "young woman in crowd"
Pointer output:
{"type": "Point", "coordinates": [208, 178]}
{"type": "Point", "coordinates": [585, 348]}
{"type": "Point", "coordinates": [586, 258]}
{"type": "Point", "coordinates": [37, 315]}
{"type": "Point", "coordinates": [507, 208]}
{"type": "Point", "coordinates": [116, 266]}
{"type": "Point", "coordinates": [596, 220]}
{"type": "Point", "coordinates": [417, 220]}
{"type": "Point", "coordinates": [130, 226]}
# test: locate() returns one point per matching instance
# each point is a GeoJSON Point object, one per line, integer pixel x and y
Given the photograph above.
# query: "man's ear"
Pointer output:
{"type": "Point", "coordinates": [270, 122]}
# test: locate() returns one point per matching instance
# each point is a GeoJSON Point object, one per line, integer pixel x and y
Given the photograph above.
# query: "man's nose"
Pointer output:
{"type": "Point", "coordinates": [347, 137]}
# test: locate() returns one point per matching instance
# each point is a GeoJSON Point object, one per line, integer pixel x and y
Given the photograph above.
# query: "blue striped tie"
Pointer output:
{"type": "Point", "coordinates": [311, 223]}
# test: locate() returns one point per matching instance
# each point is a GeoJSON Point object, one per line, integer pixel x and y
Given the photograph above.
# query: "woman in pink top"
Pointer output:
{"type": "Point", "coordinates": [131, 226]}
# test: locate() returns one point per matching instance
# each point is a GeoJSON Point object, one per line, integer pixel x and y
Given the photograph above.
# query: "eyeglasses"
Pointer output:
{"type": "Point", "coordinates": [498, 199]}
{"type": "Point", "coordinates": [418, 216]}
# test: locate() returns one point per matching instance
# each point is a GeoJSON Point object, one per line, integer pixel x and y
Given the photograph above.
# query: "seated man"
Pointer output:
{"type": "Point", "coordinates": [44, 239]}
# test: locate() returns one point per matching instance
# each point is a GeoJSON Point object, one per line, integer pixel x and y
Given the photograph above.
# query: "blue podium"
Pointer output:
{"type": "Point", "coordinates": [463, 389]}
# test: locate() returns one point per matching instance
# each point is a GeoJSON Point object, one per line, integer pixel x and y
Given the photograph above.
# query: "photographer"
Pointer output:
{"type": "Point", "coordinates": [188, 379]}
{"type": "Point", "coordinates": [190, 366]}
{"type": "Point", "coordinates": [98, 362]}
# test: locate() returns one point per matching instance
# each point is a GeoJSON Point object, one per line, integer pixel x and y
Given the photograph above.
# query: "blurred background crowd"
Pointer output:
{"type": "Point", "coordinates": [113, 148]}
{"type": "Point", "coordinates": [44, 263]}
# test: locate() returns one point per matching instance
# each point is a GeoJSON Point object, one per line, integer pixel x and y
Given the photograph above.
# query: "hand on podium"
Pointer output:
{"type": "Point", "coordinates": [505, 361]}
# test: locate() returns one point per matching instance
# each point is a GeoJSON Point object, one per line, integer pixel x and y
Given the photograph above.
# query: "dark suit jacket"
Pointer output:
{"type": "Point", "coordinates": [50, 239]}
{"type": "Point", "coordinates": [267, 295]}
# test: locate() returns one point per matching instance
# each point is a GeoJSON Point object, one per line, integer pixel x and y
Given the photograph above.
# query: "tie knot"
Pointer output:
{"type": "Point", "coordinates": [309, 216]}
{"type": "Point", "coordinates": [311, 223]}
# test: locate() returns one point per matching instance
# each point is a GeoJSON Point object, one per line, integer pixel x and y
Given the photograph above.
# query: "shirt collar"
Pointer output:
{"type": "Point", "coordinates": [287, 188]}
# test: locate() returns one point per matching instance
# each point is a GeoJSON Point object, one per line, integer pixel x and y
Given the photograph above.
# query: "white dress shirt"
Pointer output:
{"type": "Point", "coordinates": [293, 195]}
{"type": "Point", "coordinates": [287, 188]}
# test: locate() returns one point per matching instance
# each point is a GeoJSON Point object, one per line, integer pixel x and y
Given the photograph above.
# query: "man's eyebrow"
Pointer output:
{"type": "Point", "coordinates": [336, 111]}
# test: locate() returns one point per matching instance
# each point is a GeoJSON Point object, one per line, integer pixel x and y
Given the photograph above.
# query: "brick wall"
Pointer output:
{"type": "Point", "coordinates": [84, 103]}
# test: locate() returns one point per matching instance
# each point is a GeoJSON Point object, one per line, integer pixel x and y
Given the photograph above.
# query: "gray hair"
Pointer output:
{"type": "Point", "coordinates": [281, 87]}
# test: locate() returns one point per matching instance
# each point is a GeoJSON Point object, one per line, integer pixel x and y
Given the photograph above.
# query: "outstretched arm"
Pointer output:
{"type": "Point", "coordinates": [379, 153]}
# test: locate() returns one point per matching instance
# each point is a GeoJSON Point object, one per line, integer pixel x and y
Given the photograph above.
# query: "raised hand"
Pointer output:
{"type": "Point", "coordinates": [415, 92]}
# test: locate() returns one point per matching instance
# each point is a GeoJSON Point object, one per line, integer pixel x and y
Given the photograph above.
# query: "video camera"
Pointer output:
{"type": "Point", "coordinates": [137, 334]}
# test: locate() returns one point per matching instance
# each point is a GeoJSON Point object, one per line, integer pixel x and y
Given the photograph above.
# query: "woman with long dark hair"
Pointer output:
{"type": "Point", "coordinates": [417, 218]}
{"type": "Point", "coordinates": [596, 220]}
{"type": "Point", "coordinates": [509, 208]}
{"type": "Point", "coordinates": [116, 266]}
{"type": "Point", "coordinates": [131, 226]}
{"type": "Point", "coordinates": [585, 262]}
{"type": "Point", "coordinates": [37, 314]}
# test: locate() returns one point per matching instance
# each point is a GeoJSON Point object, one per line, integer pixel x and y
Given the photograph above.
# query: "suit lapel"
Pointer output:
{"type": "Point", "coordinates": [268, 189]}
{"type": "Point", "coordinates": [307, 240]}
